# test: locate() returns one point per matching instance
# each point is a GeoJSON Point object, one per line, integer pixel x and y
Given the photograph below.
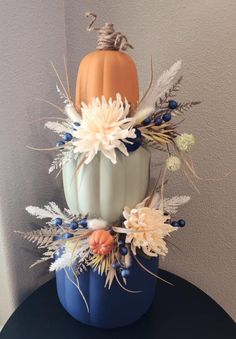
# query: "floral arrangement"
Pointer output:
{"type": "Point", "coordinates": [104, 126]}
{"type": "Point", "coordinates": [78, 242]}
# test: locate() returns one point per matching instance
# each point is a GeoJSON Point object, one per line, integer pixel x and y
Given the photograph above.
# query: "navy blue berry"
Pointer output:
{"type": "Point", "coordinates": [166, 117]}
{"type": "Point", "coordinates": [181, 223]}
{"type": "Point", "coordinates": [135, 142]}
{"type": "Point", "coordinates": [123, 250]}
{"type": "Point", "coordinates": [67, 136]}
{"type": "Point", "coordinates": [158, 121]}
{"type": "Point", "coordinates": [175, 224]}
{"type": "Point", "coordinates": [74, 225]}
{"type": "Point", "coordinates": [121, 242]}
{"type": "Point", "coordinates": [75, 125]}
{"type": "Point", "coordinates": [57, 221]}
{"type": "Point", "coordinates": [116, 265]}
{"type": "Point", "coordinates": [172, 104]}
{"type": "Point", "coordinates": [60, 144]}
{"type": "Point", "coordinates": [147, 121]}
{"type": "Point", "coordinates": [125, 272]}
{"type": "Point", "coordinates": [67, 235]}
{"type": "Point", "coordinates": [83, 223]}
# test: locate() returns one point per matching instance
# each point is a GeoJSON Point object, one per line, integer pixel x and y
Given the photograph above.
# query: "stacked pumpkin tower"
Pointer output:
{"type": "Point", "coordinates": [103, 189]}
{"type": "Point", "coordinates": [105, 247]}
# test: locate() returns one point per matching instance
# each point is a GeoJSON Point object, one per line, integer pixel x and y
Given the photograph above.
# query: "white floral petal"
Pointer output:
{"type": "Point", "coordinates": [103, 127]}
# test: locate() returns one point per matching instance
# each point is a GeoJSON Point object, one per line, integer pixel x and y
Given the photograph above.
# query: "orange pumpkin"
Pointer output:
{"type": "Point", "coordinates": [105, 73]}
{"type": "Point", "coordinates": [101, 242]}
{"type": "Point", "coordinates": [108, 70]}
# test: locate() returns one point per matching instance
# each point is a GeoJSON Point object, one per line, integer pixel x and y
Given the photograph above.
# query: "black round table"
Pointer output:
{"type": "Point", "coordinates": [182, 311]}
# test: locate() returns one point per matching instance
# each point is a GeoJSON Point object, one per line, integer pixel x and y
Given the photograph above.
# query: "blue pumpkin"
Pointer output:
{"type": "Point", "coordinates": [109, 308]}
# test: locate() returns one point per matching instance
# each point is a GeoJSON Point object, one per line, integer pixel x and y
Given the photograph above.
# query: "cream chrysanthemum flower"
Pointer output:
{"type": "Point", "coordinates": [185, 141]}
{"type": "Point", "coordinates": [104, 127]}
{"type": "Point", "coordinates": [146, 229]}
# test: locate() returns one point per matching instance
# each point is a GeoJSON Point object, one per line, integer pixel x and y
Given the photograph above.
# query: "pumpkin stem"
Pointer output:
{"type": "Point", "coordinates": [108, 38]}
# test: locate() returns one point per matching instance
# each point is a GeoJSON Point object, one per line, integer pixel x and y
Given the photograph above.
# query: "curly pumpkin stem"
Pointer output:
{"type": "Point", "coordinates": [108, 38]}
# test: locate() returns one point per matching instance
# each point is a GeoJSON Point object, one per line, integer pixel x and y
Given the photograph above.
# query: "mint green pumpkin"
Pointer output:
{"type": "Point", "coordinates": [102, 189]}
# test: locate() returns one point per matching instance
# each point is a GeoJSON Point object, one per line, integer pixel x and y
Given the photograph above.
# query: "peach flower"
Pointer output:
{"type": "Point", "coordinates": [146, 229]}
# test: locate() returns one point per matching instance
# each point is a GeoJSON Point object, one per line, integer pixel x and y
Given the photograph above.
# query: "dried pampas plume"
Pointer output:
{"type": "Point", "coordinates": [157, 89]}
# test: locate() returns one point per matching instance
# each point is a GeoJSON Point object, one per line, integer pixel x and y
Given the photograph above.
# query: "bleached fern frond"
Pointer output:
{"type": "Point", "coordinates": [54, 209]}
{"type": "Point", "coordinates": [39, 261]}
{"type": "Point", "coordinates": [171, 205]}
{"type": "Point", "coordinates": [49, 211]}
{"type": "Point", "coordinates": [67, 212]}
{"type": "Point", "coordinates": [60, 160]}
{"type": "Point", "coordinates": [59, 127]}
{"type": "Point", "coordinates": [160, 87]}
{"type": "Point", "coordinates": [170, 93]}
{"type": "Point", "coordinates": [57, 163]}
{"type": "Point", "coordinates": [41, 237]}
{"type": "Point", "coordinates": [82, 263]}
{"type": "Point", "coordinates": [49, 254]}
{"type": "Point", "coordinates": [39, 213]}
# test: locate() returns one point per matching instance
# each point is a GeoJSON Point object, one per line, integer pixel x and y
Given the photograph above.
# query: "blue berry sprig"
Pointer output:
{"type": "Point", "coordinates": [172, 104]}
{"type": "Point", "coordinates": [67, 137]}
{"type": "Point", "coordinates": [60, 144]}
{"type": "Point", "coordinates": [78, 224]}
{"type": "Point", "coordinates": [73, 225]}
{"type": "Point", "coordinates": [123, 250]}
{"type": "Point", "coordinates": [178, 223]}
{"type": "Point", "coordinates": [57, 221]}
{"type": "Point", "coordinates": [124, 271]}
{"type": "Point", "coordinates": [161, 115]}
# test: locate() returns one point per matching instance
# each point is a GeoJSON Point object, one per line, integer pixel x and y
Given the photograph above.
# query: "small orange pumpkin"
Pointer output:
{"type": "Point", "coordinates": [101, 242]}
{"type": "Point", "coordinates": [108, 70]}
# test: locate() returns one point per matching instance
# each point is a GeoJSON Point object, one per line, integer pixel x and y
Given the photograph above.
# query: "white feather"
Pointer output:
{"type": "Point", "coordinates": [171, 205]}
{"type": "Point", "coordinates": [160, 87]}
{"type": "Point", "coordinates": [142, 114]}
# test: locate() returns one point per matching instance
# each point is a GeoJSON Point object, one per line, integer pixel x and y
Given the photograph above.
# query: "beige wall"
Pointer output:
{"type": "Point", "coordinates": [32, 34]}
{"type": "Point", "coordinates": [202, 34]}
